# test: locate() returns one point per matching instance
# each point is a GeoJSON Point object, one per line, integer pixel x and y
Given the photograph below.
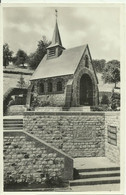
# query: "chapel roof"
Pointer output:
{"type": "Point", "coordinates": [65, 64]}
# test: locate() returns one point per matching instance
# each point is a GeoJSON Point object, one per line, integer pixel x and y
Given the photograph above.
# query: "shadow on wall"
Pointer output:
{"type": "Point", "coordinates": [13, 96]}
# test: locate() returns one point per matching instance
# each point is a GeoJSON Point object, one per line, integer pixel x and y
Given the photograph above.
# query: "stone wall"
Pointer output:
{"type": "Point", "coordinates": [80, 71]}
{"type": "Point", "coordinates": [16, 110]}
{"type": "Point", "coordinates": [112, 126]}
{"type": "Point", "coordinates": [78, 134]}
{"type": "Point", "coordinates": [29, 159]}
{"type": "Point", "coordinates": [48, 109]}
{"type": "Point", "coordinates": [53, 98]}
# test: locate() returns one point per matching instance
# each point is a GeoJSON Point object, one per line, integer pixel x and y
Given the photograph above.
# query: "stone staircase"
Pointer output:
{"type": "Point", "coordinates": [77, 109]}
{"type": "Point", "coordinates": [13, 123]}
{"type": "Point", "coordinates": [90, 171]}
{"type": "Point", "coordinates": [81, 108]}
{"type": "Point", "coordinates": [96, 176]}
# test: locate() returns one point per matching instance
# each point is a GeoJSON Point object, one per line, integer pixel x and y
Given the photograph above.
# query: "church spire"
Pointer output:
{"type": "Point", "coordinates": [56, 35]}
{"type": "Point", "coordinates": [56, 48]}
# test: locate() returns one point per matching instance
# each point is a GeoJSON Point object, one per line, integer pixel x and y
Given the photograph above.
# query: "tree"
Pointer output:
{"type": "Point", "coordinates": [35, 58]}
{"type": "Point", "coordinates": [99, 65]}
{"type": "Point", "coordinates": [21, 57]}
{"type": "Point", "coordinates": [21, 83]}
{"type": "Point", "coordinates": [7, 55]}
{"type": "Point", "coordinates": [111, 72]}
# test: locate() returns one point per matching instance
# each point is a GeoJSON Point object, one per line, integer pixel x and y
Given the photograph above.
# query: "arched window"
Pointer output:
{"type": "Point", "coordinates": [86, 61]}
{"type": "Point", "coordinates": [50, 87]}
{"type": "Point", "coordinates": [41, 88]}
{"type": "Point", "coordinates": [59, 86]}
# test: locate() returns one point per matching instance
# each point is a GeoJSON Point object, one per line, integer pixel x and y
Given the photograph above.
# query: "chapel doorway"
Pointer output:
{"type": "Point", "coordinates": [86, 90]}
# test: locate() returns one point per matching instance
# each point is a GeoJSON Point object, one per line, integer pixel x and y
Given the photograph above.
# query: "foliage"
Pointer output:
{"type": "Point", "coordinates": [21, 83]}
{"type": "Point", "coordinates": [100, 108]}
{"type": "Point", "coordinates": [105, 99]}
{"type": "Point", "coordinates": [36, 57]}
{"type": "Point", "coordinates": [7, 55]}
{"type": "Point", "coordinates": [54, 181]}
{"type": "Point", "coordinates": [21, 57]}
{"type": "Point", "coordinates": [111, 72]}
{"type": "Point", "coordinates": [46, 181]}
{"type": "Point", "coordinates": [46, 101]}
{"type": "Point", "coordinates": [115, 100]}
{"type": "Point", "coordinates": [11, 182]}
{"type": "Point", "coordinates": [114, 105]}
{"type": "Point", "coordinates": [99, 65]}
{"type": "Point", "coordinates": [36, 102]}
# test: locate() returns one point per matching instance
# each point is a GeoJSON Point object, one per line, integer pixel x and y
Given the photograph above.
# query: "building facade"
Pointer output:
{"type": "Point", "coordinates": [64, 77]}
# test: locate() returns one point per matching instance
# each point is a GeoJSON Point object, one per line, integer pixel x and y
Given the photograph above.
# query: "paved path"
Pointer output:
{"type": "Point", "coordinates": [94, 188]}
{"type": "Point", "coordinates": [93, 162]}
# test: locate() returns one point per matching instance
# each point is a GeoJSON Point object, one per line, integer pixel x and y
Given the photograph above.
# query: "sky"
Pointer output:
{"type": "Point", "coordinates": [97, 26]}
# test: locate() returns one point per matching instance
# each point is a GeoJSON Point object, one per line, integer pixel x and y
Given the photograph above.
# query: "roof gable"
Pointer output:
{"type": "Point", "coordinates": [82, 62]}
{"type": "Point", "coordinates": [91, 65]}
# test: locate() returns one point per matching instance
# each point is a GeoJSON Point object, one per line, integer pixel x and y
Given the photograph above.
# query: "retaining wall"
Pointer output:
{"type": "Point", "coordinates": [78, 134]}
{"type": "Point", "coordinates": [29, 159]}
{"type": "Point", "coordinates": [112, 136]}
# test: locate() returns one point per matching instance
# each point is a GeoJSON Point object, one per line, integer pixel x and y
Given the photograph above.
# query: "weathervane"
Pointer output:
{"type": "Point", "coordinates": [56, 13]}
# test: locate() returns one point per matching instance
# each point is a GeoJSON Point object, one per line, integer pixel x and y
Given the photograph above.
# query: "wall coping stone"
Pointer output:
{"type": "Point", "coordinates": [63, 113]}
{"type": "Point", "coordinates": [112, 113]}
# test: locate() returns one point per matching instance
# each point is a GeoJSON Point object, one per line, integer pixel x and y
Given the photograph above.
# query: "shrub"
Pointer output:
{"type": "Point", "coordinates": [115, 100]}
{"type": "Point", "coordinates": [54, 181]}
{"type": "Point", "coordinates": [105, 99]}
{"type": "Point", "coordinates": [100, 108]}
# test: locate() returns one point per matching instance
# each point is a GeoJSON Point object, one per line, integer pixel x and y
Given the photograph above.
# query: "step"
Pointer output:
{"type": "Point", "coordinates": [13, 128]}
{"type": "Point", "coordinates": [12, 120]}
{"type": "Point", "coordinates": [99, 174]}
{"type": "Point", "coordinates": [65, 109]}
{"type": "Point", "coordinates": [14, 117]}
{"type": "Point", "coordinates": [94, 181]}
{"type": "Point", "coordinates": [99, 169]}
{"type": "Point", "coordinates": [82, 108]}
{"type": "Point", "coordinates": [13, 125]}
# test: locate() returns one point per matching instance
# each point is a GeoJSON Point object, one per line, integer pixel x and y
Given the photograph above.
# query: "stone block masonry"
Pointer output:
{"type": "Point", "coordinates": [29, 159]}
{"type": "Point", "coordinates": [78, 134]}
{"type": "Point", "coordinates": [112, 136]}
{"type": "Point", "coordinates": [46, 98]}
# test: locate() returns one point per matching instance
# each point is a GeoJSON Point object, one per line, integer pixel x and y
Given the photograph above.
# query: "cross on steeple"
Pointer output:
{"type": "Point", "coordinates": [56, 13]}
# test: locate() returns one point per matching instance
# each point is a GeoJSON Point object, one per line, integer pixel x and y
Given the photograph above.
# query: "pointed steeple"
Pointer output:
{"type": "Point", "coordinates": [55, 49]}
{"type": "Point", "coordinates": [56, 36]}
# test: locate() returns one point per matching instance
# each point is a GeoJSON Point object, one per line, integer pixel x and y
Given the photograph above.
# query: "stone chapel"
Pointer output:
{"type": "Point", "coordinates": [64, 77]}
